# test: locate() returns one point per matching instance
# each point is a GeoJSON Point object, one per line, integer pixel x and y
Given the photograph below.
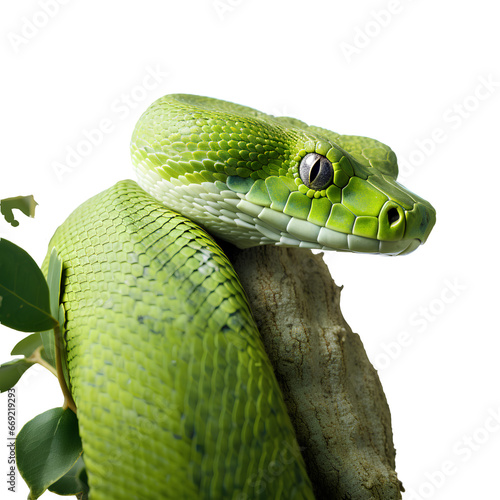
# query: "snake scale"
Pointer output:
{"type": "Point", "coordinates": [175, 394]}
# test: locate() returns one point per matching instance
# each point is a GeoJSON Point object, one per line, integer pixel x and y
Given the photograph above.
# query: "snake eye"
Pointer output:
{"type": "Point", "coordinates": [316, 171]}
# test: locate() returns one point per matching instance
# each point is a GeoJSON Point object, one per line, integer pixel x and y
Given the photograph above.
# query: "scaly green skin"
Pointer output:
{"type": "Point", "coordinates": [235, 171]}
{"type": "Point", "coordinates": [176, 397]}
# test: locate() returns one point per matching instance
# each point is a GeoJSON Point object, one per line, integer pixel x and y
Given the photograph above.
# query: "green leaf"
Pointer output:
{"type": "Point", "coordinates": [24, 295]}
{"type": "Point", "coordinates": [54, 286]}
{"type": "Point", "coordinates": [48, 346]}
{"type": "Point", "coordinates": [54, 274]}
{"type": "Point", "coordinates": [74, 482]}
{"type": "Point", "coordinates": [27, 346]}
{"type": "Point", "coordinates": [26, 204]}
{"type": "Point", "coordinates": [47, 447]}
{"type": "Point", "coordinates": [11, 372]}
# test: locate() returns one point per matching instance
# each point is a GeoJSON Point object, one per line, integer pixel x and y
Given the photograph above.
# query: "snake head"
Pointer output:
{"type": "Point", "coordinates": [252, 179]}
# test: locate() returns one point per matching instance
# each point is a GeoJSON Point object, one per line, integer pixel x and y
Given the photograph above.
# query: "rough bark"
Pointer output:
{"type": "Point", "coordinates": [332, 392]}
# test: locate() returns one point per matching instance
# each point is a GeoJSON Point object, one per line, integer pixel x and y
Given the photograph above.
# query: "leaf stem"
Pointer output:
{"type": "Point", "coordinates": [69, 402]}
{"type": "Point", "coordinates": [36, 357]}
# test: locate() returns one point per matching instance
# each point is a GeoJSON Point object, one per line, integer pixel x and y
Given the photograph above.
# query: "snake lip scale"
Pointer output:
{"type": "Point", "coordinates": [175, 393]}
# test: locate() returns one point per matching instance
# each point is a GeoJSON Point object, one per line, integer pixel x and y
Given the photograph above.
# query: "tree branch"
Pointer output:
{"type": "Point", "coordinates": [332, 392]}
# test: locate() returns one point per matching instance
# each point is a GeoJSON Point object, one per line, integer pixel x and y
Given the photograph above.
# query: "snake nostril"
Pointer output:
{"type": "Point", "coordinates": [393, 215]}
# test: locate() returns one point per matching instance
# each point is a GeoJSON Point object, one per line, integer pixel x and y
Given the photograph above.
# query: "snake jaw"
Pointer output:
{"type": "Point", "coordinates": [250, 213]}
{"type": "Point", "coordinates": [236, 218]}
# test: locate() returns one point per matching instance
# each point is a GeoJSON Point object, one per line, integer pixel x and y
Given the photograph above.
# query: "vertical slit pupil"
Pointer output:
{"type": "Point", "coordinates": [314, 170]}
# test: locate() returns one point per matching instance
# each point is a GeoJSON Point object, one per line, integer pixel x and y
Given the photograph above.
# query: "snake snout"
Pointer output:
{"type": "Point", "coordinates": [420, 221]}
{"type": "Point", "coordinates": [400, 224]}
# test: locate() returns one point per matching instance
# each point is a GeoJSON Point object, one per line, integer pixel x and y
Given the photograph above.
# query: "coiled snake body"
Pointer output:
{"type": "Point", "coordinates": [176, 397]}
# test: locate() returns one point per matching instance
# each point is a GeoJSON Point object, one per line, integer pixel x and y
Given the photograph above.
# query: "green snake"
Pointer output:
{"type": "Point", "coordinates": [175, 394]}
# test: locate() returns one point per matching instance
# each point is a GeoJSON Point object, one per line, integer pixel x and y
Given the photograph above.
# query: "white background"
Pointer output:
{"type": "Point", "coordinates": [420, 76]}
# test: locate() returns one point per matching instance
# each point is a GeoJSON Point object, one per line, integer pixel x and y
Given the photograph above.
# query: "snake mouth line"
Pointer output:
{"type": "Point", "coordinates": [299, 233]}
{"type": "Point", "coordinates": [229, 216]}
